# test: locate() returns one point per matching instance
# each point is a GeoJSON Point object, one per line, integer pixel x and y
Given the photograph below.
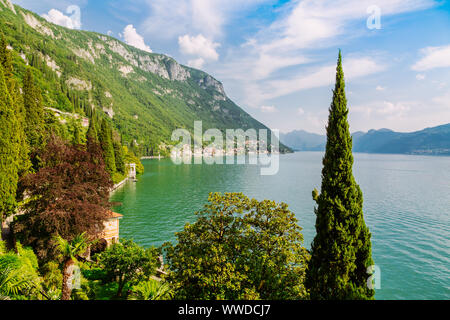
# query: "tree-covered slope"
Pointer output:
{"type": "Point", "coordinates": [146, 95]}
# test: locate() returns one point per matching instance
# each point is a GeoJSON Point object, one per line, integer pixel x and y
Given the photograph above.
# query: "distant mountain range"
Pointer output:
{"type": "Point", "coordinates": [430, 141]}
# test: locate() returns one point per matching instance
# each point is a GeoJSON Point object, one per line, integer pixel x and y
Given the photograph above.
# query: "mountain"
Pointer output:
{"type": "Point", "coordinates": [433, 141]}
{"type": "Point", "coordinates": [146, 95]}
{"type": "Point", "coordinates": [430, 141]}
{"type": "Point", "coordinates": [301, 140]}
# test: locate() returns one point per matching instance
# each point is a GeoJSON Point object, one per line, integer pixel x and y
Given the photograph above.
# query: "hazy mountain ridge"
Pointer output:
{"type": "Point", "coordinates": [147, 95]}
{"type": "Point", "coordinates": [431, 141]}
{"type": "Point", "coordinates": [301, 140]}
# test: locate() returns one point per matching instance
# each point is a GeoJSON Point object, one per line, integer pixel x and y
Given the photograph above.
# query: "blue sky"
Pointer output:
{"type": "Point", "coordinates": [276, 59]}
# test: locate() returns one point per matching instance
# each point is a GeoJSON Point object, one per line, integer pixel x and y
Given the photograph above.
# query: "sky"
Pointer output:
{"type": "Point", "coordinates": [277, 59]}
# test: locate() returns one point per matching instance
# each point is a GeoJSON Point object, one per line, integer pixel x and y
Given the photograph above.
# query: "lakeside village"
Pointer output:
{"type": "Point", "coordinates": [249, 147]}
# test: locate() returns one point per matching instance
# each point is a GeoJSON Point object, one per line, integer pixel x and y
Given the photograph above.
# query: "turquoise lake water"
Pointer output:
{"type": "Point", "coordinates": [406, 206]}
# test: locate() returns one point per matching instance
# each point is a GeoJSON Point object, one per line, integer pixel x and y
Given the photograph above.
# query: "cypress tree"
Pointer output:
{"type": "Point", "coordinates": [76, 129]}
{"type": "Point", "coordinates": [105, 138]}
{"type": "Point", "coordinates": [6, 61]}
{"type": "Point", "coordinates": [341, 250]}
{"type": "Point", "coordinates": [17, 103]}
{"type": "Point", "coordinates": [9, 151]}
{"type": "Point", "coordinates": [24, 152]}
{"type": "Point", "coordinates": [34, 124]}
{"type": "Point", "coordinates": [92, 134]}
{"type": "Point", "coordinates": [118, 155]}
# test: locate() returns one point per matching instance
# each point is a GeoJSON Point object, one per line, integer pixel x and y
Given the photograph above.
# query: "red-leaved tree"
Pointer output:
{"type": "Point", "coordinates": [68, 196]}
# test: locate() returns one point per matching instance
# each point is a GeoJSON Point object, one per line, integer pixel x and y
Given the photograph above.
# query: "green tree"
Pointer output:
{"type": "Point", "coordinates": [127, 263]}
{"type": "Point", "coordinates": [34, 125]}
{"type": "Point", "coordinates": [105, 138]}
{"type": "Point", "coordinates": [239, 248]}
{"type": "Point", "coordinates": [24, 163]}
{"type": "Point", "coordinates": [19, 277]}
{"type": "Point", "coordinates": [69, 253]}
{"type": "Point", "coordinates": [76, 131]}
{"type": "Point", "coordinates": [92, 134]}
{"type": "Point", "coordinates": [9, 152]}
{"type": "Point", "coordinates": [341, 250]}
{"type": "Point", "coordinates": [52, 280]}
{"type": "Point", "coordinates": [129, 157]}
{"type": "Point", "coordinates": [11, 282]}
{"type": "Point", "coordinates": [119, 156]}
{"type": "Point", "coordinates": [151, 290]}
{"type": "Point", "coordinates": [6, 61]}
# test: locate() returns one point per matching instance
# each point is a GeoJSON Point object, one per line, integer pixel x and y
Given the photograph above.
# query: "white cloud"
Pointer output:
{"type": "Point", "coordinates": [380, 88]}
{"type": "Point", "coordinates": [443, 100]}
{"type": "Point", "coordinates": [384, 109]}
{"type": "Point", "coordinates": [170, 18]}
{"type": "Point", "coordinates": [440, 84]}
{"type": "Point", "coordinates": [268, 109]}
{"type": "Point", "coordinates": [405, 116]}
{"type": "Point", "coordinates": [300, 111]}
{"type": "Point", "coordinates": [323, 76]}
{"type": "Point", "coordinates": [134, 39]}
{"type": "Point", "coordinates": [199, 46]}
{"type": "Point", "coordinates": [196, 63]}
{"type": "Point", "coordinates": [57, 17]}
{"type": "Point", "coordinates": [434, 57]}
{"type": "Point", "coordinates": [307, 23]}
{"type": "Point", "coordinates": [283, 48]}
{"type": "Point", "coordinates": [420, 76]}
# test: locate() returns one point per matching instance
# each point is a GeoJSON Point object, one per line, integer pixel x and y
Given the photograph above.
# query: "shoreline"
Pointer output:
{"type": "Point", "coordinates": [118, 185]}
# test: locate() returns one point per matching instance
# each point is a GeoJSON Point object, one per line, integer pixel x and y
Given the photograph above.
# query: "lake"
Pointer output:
{"type": "Point", "coordinates": [406, 206]}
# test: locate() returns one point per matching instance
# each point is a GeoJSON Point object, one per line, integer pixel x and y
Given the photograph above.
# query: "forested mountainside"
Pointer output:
{"type": "Point", "coordinates": [146, 95]}
{"type": "Point", "coordinates": [431, 141]}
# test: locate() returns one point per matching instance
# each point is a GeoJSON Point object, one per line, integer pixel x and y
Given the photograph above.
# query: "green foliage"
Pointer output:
{"type": "Point", "coordinates": [19, 278]}
{"type": "Point", "coordinates": [70, 250]}
{"type": "Point", "coordinates": [129, 157]}
{"type": "Point", "coordinates": [69, 253]}
{"type": "Point", "coordinates": [151, 290]}
{"type": "Point", "coordinates": [105, 138]}
{"type": "Point", "coordinates": [13, 88]}
{"type": "Point", "coordinates": [239, 248]}
{"type": "Point", "coordinates": [118, 156]}
{"type": "Point", "coordinates": [34, 125]}
{"type": "Point", "coordinates": [341, 250]}
{"type": "Point", "coordinates": [10, 151]}
{"type": "Point", "coordinates": [52, 280]}
{"type": "Point", "coordinates": [92, 131]}
{"type": "Point", "coordinates": [127, 264]}
{"type": "Point", "coordinates": [76, 131]}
